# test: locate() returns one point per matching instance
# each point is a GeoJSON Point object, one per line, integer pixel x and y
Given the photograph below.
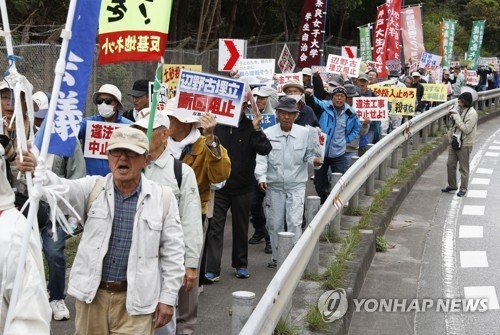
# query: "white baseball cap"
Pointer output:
{"type": "Point", "coordinates": [170, 110]}
{"type": "Point", "coordinates": [161, 119]}
{"type": "Point", "coordinates": [42, 101]}
{"type": "Point", "coordinates": [111, 90]}
{"type": "Point", "coordinates": [307, 71]}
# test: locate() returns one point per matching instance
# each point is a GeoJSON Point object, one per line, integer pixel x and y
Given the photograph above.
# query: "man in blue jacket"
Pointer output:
{"type": "Point", "coordinates": [341, 124]}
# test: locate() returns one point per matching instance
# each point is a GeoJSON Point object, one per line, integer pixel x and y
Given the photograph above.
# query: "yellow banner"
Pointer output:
{"type": "Point", "coordinates": [171, 74]}
{"type": "Point", "coordinates": [435, 92]}
{"type": "Point", "coordinates": [134, 15]}
{"type": "Point", "coordinates": [133, 30]}
{"type": "Point", "coordinates": [401, 100]}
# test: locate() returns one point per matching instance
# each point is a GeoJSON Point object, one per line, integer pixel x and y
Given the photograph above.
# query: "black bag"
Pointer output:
{"type": "Point", "coordinates": [455, 144]}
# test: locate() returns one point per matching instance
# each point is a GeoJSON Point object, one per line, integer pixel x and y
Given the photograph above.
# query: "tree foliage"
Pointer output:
{"type": "Point", "coordinates": [203, 21]}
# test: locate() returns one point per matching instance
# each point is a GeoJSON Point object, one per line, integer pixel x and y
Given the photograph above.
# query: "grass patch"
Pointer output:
{"type": "Point", "coordinates": [314, 320]}
{"type": "Point", "coordinates": [381, 244]}
{"type": "Point", "coordinates": [330, 237]}
{"type": "Point", "coordinates": [356, 211]}
{"type": "Point", "coordinates": [282, 328]}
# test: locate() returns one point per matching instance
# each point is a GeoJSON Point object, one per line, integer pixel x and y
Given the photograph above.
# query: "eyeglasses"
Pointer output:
{"type": "Point", "coordinates": [120, 152]}
{"type": "Point", "coordinates": [107, 101]}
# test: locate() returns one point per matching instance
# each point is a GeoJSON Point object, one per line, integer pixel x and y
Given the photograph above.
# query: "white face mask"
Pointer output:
{"type": "Point", "coordinates": [297, 97]}
{"type": "Point", "coordinates": [106, 111]}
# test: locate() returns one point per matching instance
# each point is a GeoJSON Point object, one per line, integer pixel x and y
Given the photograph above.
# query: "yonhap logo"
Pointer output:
{"type": "Point", "coordinates": [333, 305]}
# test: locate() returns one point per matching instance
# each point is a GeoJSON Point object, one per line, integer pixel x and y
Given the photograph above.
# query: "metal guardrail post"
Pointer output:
{"type": "Point", "coordinates": [334, 226]}
{"type": "Point", "coordinates": [416, 140]}
{"type": "Point", "coordinates": [313, 203]}
{"type": "Point", "coordinates": [440, 124]}
{"type": "Point", "coordinates": [354, 201]}
{"type": "Point", "coordinates": [433, 129]}
{"type": "Point", "coordinates": [394, 158]}
{"type": "Point", "coordinates": [285, 245]}
{"type": "Point", "coordinates": [406, 149]}
{"type": "Point", "coordinates": [241, 310]}
{"type": "Point", "coordinates": [425, 135]}
{"type": "Point", "coordinates": [370, 182]}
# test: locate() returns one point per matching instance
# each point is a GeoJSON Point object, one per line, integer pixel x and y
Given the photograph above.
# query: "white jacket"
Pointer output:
{"type": "Point", "coordinates": [188, 198]}
{"type": "Point", "coordinates": [286, 165]}
{"type": "Point", "coordinates": [33, 313]}
{"type": "Point", "coordinates": [156, 261]}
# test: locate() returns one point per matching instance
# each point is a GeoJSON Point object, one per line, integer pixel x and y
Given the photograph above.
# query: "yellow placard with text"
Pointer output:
{"type": "Point", "coordinates": [402, 101]}
{"type": "Point", "coordinates": [171, 74]}
{"type": "Point", "coordinates": [435, 92]}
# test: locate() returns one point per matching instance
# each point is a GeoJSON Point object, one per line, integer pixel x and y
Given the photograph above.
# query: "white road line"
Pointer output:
{"type": "Point", "coordinates": [477, 194]}
{"type": "Point", "coordinates": [494, 147]}
{"type": "Point", "coordinates": [496, 142]}
{"type": "Point", "coordinates": [473, 210]}
{"type": "Point", "coordinates": [473, 259]}
{"type": "Point", "coordinates": [481, 292]}
{"type": "Point", "coordinates": [470, 231]}
{"type": "Point", "coordinates": [484, 171]}
{"type": "Point", "coordinates": [454, 323]}
{"type": "Point", "coordinates": [480, 181]}
{"type": "Point", "coordinates": [492, 154]}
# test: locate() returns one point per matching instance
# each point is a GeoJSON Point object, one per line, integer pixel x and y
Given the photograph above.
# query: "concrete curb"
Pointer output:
{"type": "Point", "coordinates": [365, 252]}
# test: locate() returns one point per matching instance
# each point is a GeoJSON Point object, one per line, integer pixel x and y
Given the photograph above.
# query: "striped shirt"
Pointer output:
{"type": "Point", "coordinates": [115, 263]}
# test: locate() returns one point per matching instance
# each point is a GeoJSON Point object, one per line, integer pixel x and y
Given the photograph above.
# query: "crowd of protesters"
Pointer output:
{"type": "Point", "coordinates": [154, 211]}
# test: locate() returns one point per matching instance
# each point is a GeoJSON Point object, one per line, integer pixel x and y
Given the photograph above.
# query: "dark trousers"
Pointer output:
{"type": "Point", "coordinates": [56, 261]}
{"type": "Point", "coordinates": [240, 208]}
{"type": "Point", "coordinates": [321, 177]}
{"type": "Point", "coordinates": [257, 211]}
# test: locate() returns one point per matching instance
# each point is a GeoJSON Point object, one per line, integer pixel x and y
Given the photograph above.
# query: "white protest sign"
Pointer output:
{"type": "Point", "coordinates": [472, 78]}
{"type": "Point", "coordinates": [199, 93]}
{"type": "Point", "coordinates": [256, 71]}
{"type": "Point", "coordinates": [162, 96]}
{"type": "Point", "coordinates": [97, 136]}
{"type": "Point", "coordinates": [286, 63]}
{"type": "Point", "coordinates": [230, 51]}
{"type": "Point", "coordinates": [429, 61]}
{"type": "Point", "coordinates": [454, 63]}
{"type": "Point", "coordinates": [371, 108]}
{"type": "Point", "coordinates": [282, 78]}
{"type": "Point", "coordinates": [343, 65]}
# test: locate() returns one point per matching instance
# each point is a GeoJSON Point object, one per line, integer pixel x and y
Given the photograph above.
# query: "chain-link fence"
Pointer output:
{"type": "Point", "coordinates": [39, 60]}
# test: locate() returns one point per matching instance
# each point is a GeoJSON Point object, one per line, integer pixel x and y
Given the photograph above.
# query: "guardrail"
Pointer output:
{"type": "Point", "coordinates": [277, 297]}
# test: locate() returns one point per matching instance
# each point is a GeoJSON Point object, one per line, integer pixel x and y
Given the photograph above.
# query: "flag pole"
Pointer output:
{"type": "Point", "coordinates": [154, 100]}
{"type": "Point", "coordinates": [8, 35]}
{"type": "Point", "coordinates": [59, 73]}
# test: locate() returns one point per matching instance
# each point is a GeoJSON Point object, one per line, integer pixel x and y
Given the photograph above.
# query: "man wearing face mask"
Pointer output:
{"type": "Point", "coordinates": [108, 100]}
{"type": "Point", "coordinates": [294, 89]}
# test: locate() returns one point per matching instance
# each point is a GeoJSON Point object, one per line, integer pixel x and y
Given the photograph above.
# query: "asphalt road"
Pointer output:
{"type": "Point", "coordinates": [444, 247]}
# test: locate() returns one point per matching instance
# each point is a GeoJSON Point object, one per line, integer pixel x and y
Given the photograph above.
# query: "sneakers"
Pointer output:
{"type": "Point", "coordinates": [211, 277]}
{"type": "Point", "coordinates": [59, 310]}
{"type": "Point", "coordinates": [256, 238]}
{"type": "Point", "coordinates": [448, 189]}
{"type": "Point", "coordinates": [242, 273]}
{"type": "Point", "coordinates": [272, 264]}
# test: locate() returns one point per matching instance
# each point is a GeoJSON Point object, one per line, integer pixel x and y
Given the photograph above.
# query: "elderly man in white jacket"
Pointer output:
{"type": "Point", "coordinates": [32, 313]}
{"type": "Point", "coordinates": [130, 261]}
{"type": "Point", "coordinates": [282, 174]}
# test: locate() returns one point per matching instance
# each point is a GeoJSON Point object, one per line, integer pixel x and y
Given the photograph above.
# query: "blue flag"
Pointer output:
{"type": "Point", "coordinates": [74, 86]}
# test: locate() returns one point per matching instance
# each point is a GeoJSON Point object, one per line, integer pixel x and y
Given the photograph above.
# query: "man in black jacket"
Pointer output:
{"type": "Point", "coordinates": [140, 98]}
{"type": "Point", "coordinates": [242, 144]}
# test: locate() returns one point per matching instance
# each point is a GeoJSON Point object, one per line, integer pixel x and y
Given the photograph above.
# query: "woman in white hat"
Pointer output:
{"type": "Point", "coordinates": [109, 103]}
